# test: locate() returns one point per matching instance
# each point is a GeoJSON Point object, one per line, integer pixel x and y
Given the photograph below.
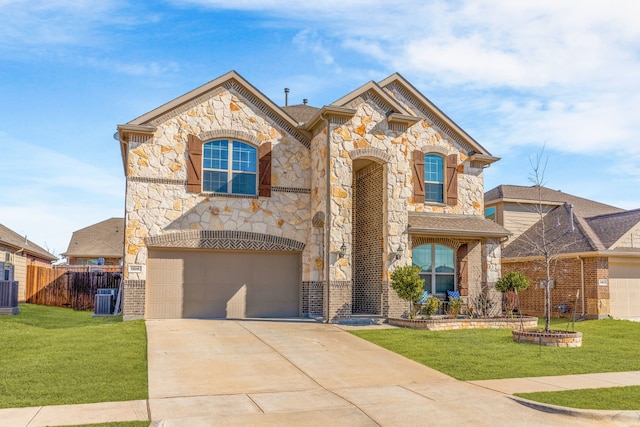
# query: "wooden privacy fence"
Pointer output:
{"type": "Point", "coordinates": [62, 287]}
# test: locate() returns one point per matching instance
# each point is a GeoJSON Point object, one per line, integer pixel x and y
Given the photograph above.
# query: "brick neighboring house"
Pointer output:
{"type": "Point", "coordinates": [237, 207]}
{"type": "Point", "coordinates": [596, 250]}
{"type": "Point", "coordinates": [98, 244]}
{"type": "Point", "coordinates": [16, 253]}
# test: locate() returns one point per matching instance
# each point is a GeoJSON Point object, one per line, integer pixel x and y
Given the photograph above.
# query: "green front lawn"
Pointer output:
{"type": "Point", "coordinates": [614, 398]}
{"type": "Point", "coordinates": [56, 356]}
{"type": "Point", "coordinates": [607, 346]}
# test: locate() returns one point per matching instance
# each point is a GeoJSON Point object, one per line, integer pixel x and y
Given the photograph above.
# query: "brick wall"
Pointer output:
{"type": "Point", "coordinates": [312, 298]}
{"type": "Point", "coordinates": [340, 300]}
{"type": "Point", "coordinates": [368, 240]}
{"type": "Point", "coordinates": [133, 300]}
{"type": "Point", "coordinates": [567, 273]}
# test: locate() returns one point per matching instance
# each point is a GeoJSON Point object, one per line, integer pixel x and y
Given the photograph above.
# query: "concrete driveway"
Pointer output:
{"type": "Point", "coordinates": [225, 372]}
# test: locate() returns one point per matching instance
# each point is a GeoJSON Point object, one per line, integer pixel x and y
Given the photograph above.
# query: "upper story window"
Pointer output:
{"type": "Point", "coordinates": [433, 178]}
{"type": "Point", "coordinates": [229, 167]}
{"type": "Point", "coordinates": [490, 213]}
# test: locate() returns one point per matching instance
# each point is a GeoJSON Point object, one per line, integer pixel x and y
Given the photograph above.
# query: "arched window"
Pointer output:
{"type": "Point", "coordinates": [229, 167]}
{"type": "Point", "coordinates": [433, 178]}
{"type": "Point", "coordinates": [438, 267]}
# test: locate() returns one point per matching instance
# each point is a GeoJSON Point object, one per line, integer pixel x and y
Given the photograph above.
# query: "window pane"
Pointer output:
{"type": "Point", "coordinates": [214, 181]}
{"type": "Point", "coordinates": [444, 259]}
{"type": "Point", "coordinates": [215, 155]}
{"type": "Point", "coordinates": [243, 183]}
{"type": "Point", "coordinates": [490, 213]}
{"type": "Point", "coordinates": [427, 282]}
{"type": "Point", "coordinates": [433, 192]}
{"type": "Point", "coordinates": [421, 256]}
{"type": "Point", "coordinates": [444, 283]}
{"type": "Point", "coordinates": [433, 168]}
{"type": "Point", "coordinates": [244, 157]}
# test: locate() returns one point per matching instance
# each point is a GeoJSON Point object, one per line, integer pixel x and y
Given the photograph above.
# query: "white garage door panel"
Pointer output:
{"type": "Point", "coordinates": [624, 288]}
{"type": "Point", "coordinates": [223, 284]}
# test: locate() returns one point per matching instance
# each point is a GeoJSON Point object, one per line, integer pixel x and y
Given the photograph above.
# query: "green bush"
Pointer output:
{"type": "Point", "coordinates": [407, 283]}
{"type": "Point", "coordinates": [455, 304]}
{"type": "Point", "coordinates": [431, 306]}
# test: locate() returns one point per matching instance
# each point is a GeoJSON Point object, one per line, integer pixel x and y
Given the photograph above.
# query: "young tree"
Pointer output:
{"type": "Point", "coordinates": [407, 283]}
{"type": "Point", "coordinates": [513, 281]}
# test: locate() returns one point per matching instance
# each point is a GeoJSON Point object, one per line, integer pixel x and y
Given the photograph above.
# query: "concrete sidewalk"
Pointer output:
{"type": "Point", "coordinates": [561, 382]}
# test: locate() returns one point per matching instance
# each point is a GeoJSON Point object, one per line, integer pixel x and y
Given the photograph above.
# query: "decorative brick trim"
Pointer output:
{"type": "Point", "coordinates": [431, 117]}
{"type": "Point", "coordinates": [370, 153]}
{"type": "Point", "coordinates": [233, 85]}
{"type": "Point", "coordinates": [225, 239]}
{"type": "Point", "coordinates": [228, 196]}
{"type": "Point", "coordinates": [340, 284]}
{"type": "Point", "coordinates": [318, 220]}
{"type": "Point", "coordinates": [149, 180]}
{"type": "Point", "coordinates": [444, 241]}
{"type": "Point", "coordinates": [186, 106]}
{"type": "Point", "coordinates": [133, 299]}
{"type": "Point", "coordinates": [291, 190]}
{"type": "Point", "coordinates": [230, 134]}
{"type": "Point", "coordinates": [134, 284]}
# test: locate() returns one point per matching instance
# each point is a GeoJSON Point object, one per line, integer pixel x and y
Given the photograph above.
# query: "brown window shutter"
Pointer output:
{"type": "Point", "coordinates": [418, 176]}
{"type": "Point", "coordinates": [463, 271]}
{"type": "Point", "coordinates": [194, 164]}
{"type": "Point", "coordinates": [452, 179]}
{"type": "Point", "coordinates": [264, 169]}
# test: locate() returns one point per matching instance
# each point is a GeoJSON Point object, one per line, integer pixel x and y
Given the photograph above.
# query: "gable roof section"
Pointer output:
{"type": "Point", "coordinates": [232, 80]}
{"type": "Point", "coordinates": [454, 225]}
{"type": "Point", "coordinates": [104, 239]}
{"type": "Point", "coordinates": [613, 227]}
{"type": "Point", "coordinates": [301, 113]}
{"type": "Point", "coordinates": [12, 239]}
{"type": "Point", "coordinates": [433, 114]}
{"type": "Point", "coordinates": [531, 195]}
{"type": "Point", "coordinates": [562, 238]}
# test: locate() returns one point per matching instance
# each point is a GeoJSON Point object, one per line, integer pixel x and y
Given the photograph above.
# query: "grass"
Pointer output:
{"type": "Point", "coordinates": [607, 346]}
{"type": "Point", "coordinates": [614, 398]}
{"type": "Point", "coordinates": [56, 356]}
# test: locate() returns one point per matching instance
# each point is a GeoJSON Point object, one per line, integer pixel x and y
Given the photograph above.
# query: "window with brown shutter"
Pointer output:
{"type": "Point", "coordinates": [194, 164]}
{"type": "Point", "coordinates": [264, 169]}
{"type": "Point", "coordinates": [452, 179]}
{"type": "Point", "coordinates": [418, 176]}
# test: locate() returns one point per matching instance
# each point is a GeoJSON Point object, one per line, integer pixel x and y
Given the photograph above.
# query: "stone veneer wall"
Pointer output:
{"type": "Point", "coordinates": [368, 238]}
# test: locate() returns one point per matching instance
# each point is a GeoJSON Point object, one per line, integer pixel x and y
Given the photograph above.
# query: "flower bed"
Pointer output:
{"type": "Point", "coordinates": [548, 338]}
{"type": "Point", "coordinates": [446, 323]}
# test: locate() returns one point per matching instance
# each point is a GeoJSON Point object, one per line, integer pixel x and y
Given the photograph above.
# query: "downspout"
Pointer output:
{"type": "Point", "coordinates": [582, 286]}
{"type": "Point", "coordinates": [328, 221]}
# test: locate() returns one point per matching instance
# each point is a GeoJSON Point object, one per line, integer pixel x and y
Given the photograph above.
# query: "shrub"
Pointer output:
{"type": "Point", "coordinates": [513, 281]}
{"type": "Point", "coordinates": [455, 304]}
{"type": "Point", "coordinates": [431, 306]}
{"type": "Point", "coordinates": [408, 285]}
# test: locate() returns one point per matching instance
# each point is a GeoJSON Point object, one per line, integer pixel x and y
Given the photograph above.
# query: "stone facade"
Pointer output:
{"type": "Point", "coordinates": [340, 188]}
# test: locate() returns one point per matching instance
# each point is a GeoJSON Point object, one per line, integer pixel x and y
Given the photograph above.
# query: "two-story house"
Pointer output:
{"type": "Point", "coordinates": [237, 207]}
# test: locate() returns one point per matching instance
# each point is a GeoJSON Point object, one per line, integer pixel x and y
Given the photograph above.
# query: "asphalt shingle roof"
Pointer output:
{"type": "Point", "coordinates": [301, 113]}
{"type": "Point", "coordinates": [455, 225]}
{"type": "Point", "coordinates": [610, 228]}
{"type": "Point", "coordinates": [585, 207]}
{"type": "Point", "coordinates": [9, 237]}
{"type": "Point", "coordinates": [104, 239]}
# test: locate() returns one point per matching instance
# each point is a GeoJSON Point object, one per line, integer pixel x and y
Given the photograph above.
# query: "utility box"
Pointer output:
{"type": "Point", "coordinates": [9, 297]}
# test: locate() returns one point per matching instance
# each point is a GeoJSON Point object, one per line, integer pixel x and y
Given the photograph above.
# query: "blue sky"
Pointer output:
{"type": "Point", "coordinates": [516, 75]}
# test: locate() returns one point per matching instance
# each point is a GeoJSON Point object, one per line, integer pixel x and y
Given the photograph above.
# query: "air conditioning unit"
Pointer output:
{"type": "Point", "coordinates": [107, 291]}
{"type": "Point", "coordinates": [103, 304]}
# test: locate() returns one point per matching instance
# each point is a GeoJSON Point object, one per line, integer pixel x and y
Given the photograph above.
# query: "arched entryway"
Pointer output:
{"type": "Point", "coordinates": [368, 235]}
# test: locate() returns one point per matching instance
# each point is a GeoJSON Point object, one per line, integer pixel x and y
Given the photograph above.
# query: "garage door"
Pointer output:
{"type": "Point", "coordinates": [212, 284]}
{"type": "Point", "coordinates": [624, 288]}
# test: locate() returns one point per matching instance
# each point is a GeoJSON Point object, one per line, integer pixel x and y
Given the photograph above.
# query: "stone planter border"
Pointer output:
{"type": "Point", "coordinates": [549, 339]}
{"type": "Point", "coordinates": [448, 324]}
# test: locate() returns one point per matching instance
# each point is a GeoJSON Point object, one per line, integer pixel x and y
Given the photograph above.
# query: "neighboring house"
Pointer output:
{"type": "Point", "coordinates": [237, 207]}
{"type": "Point", "coordinates": [16, 253]}
{"type": "Point", "coordinates": [595, 248]}
{"type": "Point", "coordinates": [97, 244]}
